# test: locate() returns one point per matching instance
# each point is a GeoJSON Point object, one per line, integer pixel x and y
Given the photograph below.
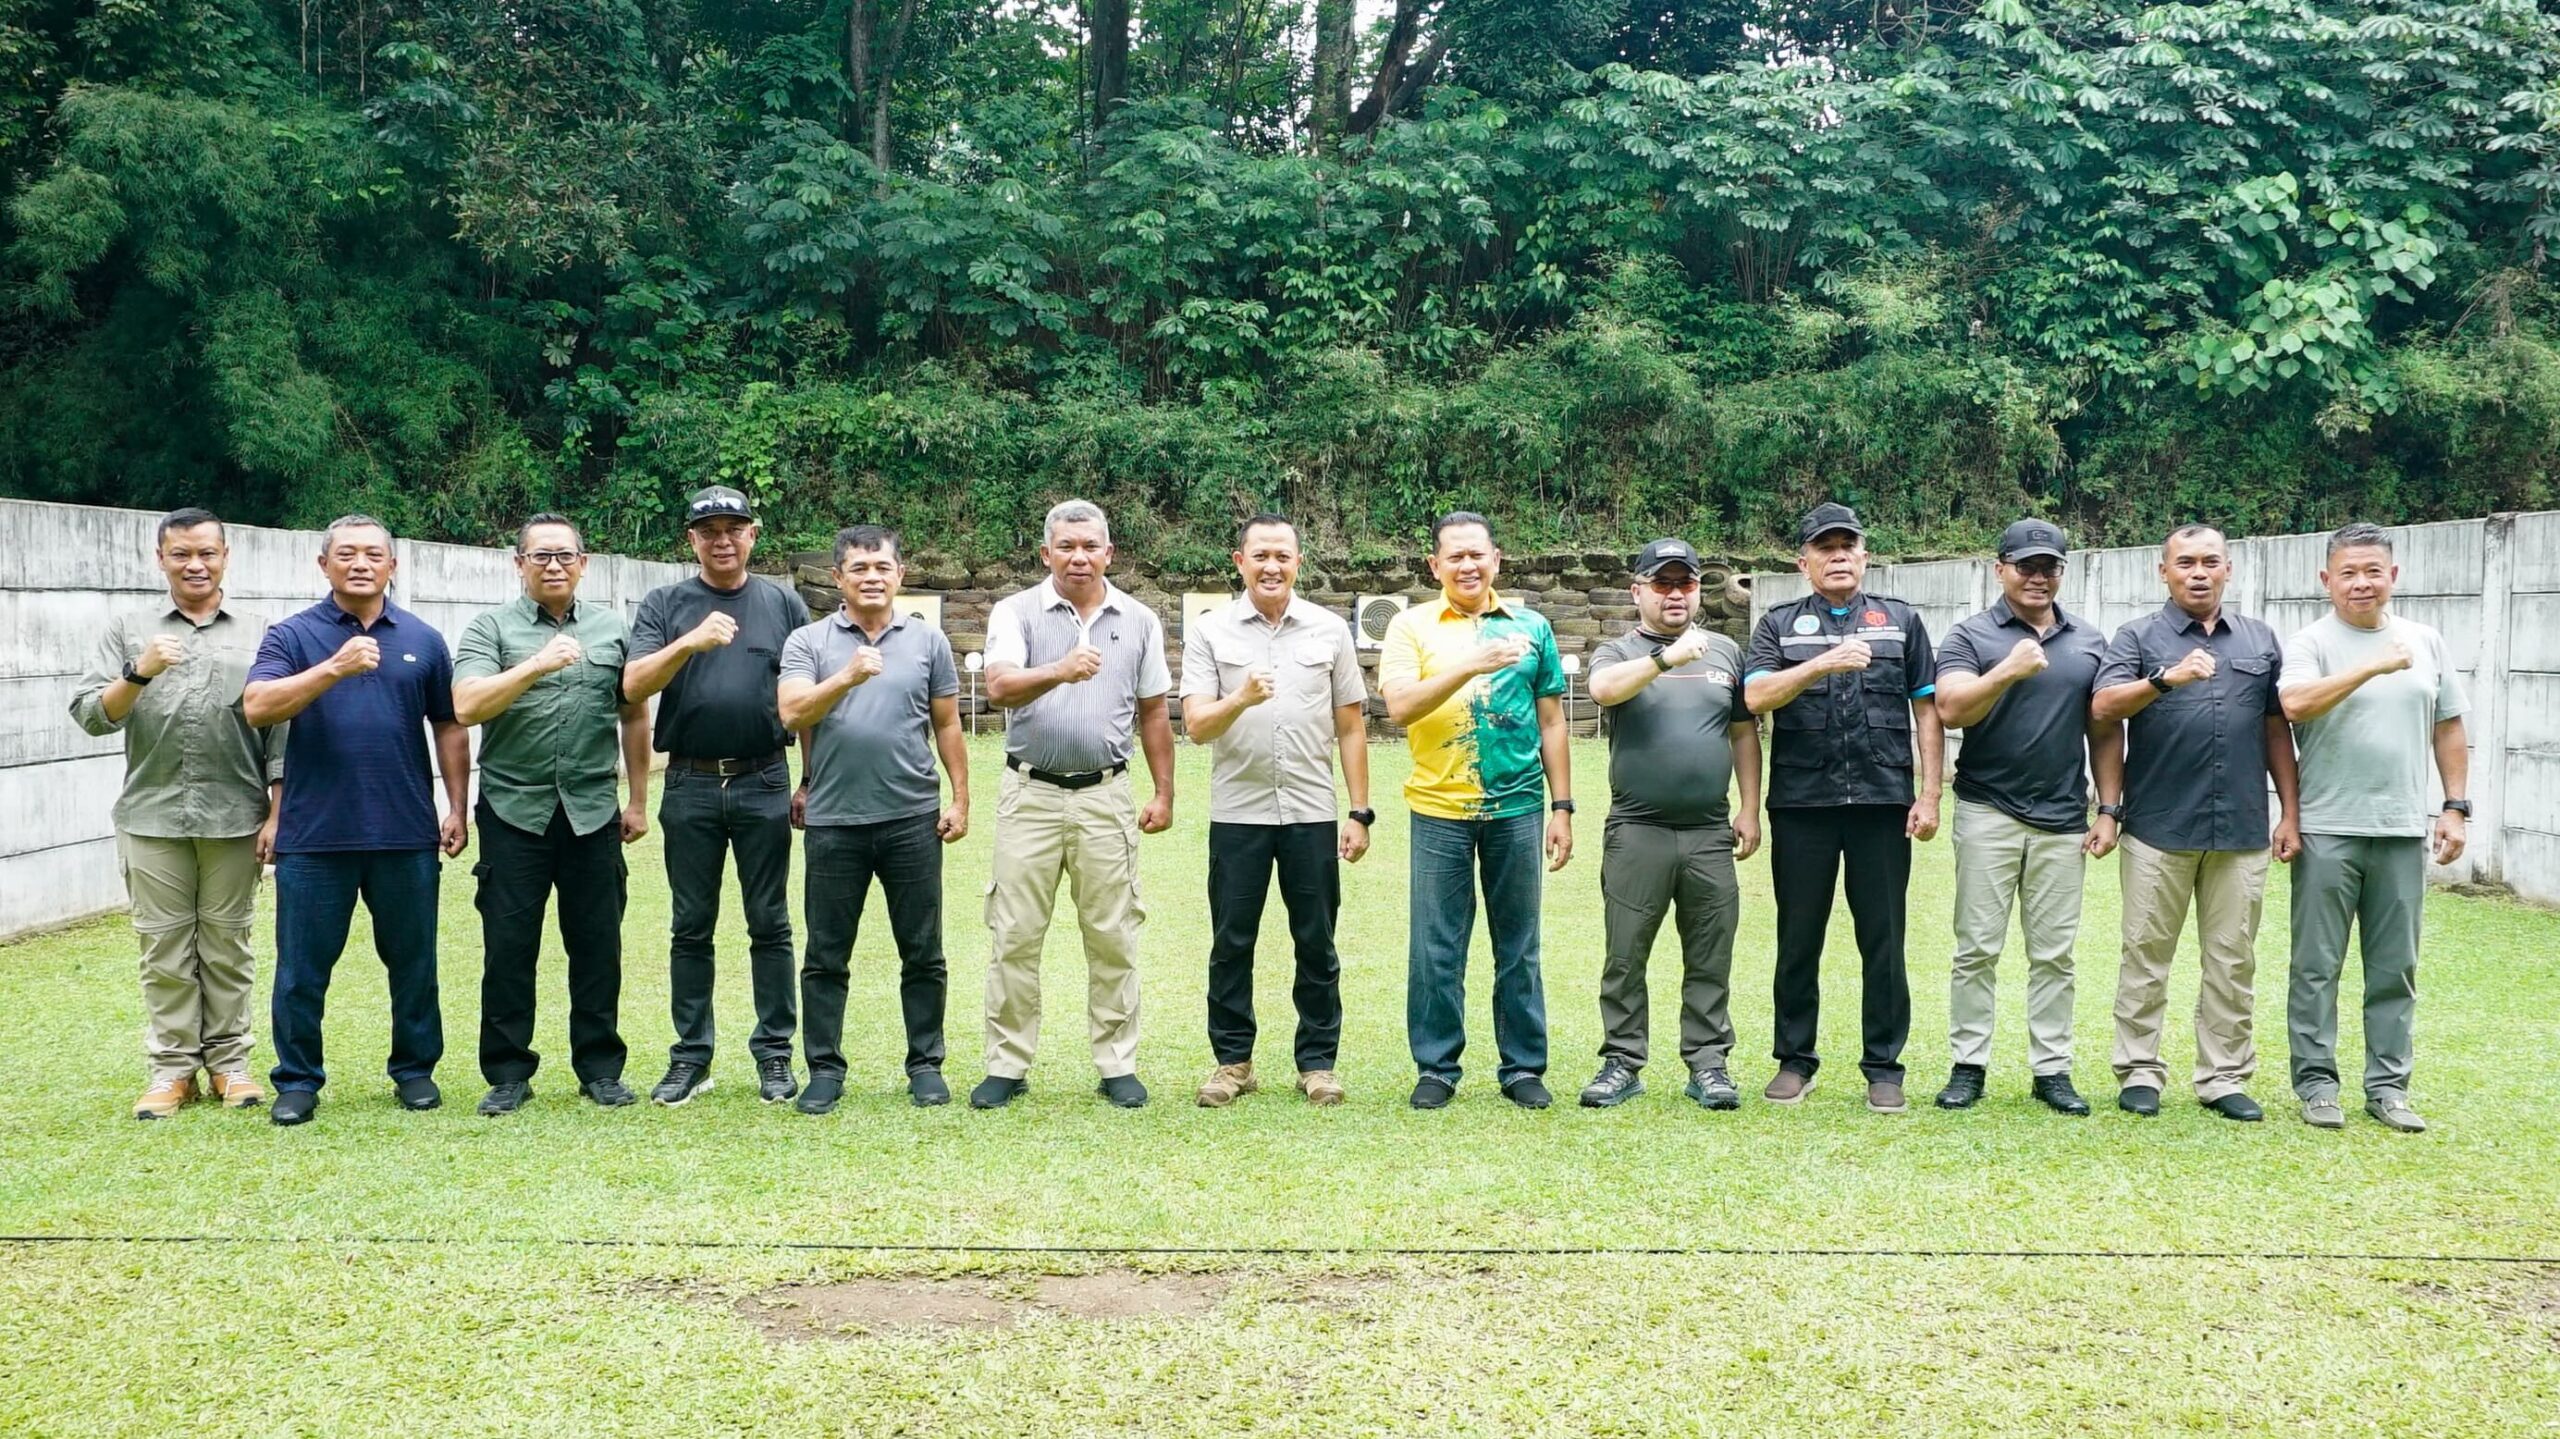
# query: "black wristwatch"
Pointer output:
{"type": "Point", "coordinates": [2461, 807]}
{"type": "Point", "coordinates": [134, 676]}
{"type": "Point", "coordinates": [2158, 680]}
{"type": "Point", "coordinates": [1366, 817]}
{"type": "Point", "coordinates": [1664, 665]}
{"type": "Point", "coordinates": [2111, 811]}
{"type": "Point", "coordinates": [1562, 806]}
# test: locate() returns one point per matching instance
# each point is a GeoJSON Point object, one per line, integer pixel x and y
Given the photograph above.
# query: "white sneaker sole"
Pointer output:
{"type": "Point", "coordinates": [703, 1088]}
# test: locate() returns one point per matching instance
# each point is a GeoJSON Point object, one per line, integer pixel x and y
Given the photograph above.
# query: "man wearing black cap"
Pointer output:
{"type": "Point", "coordinates": [2017, 680]}
{"type": "Point", "coordinates": [1846, 679]}
{"type": "Point", "coordinates": [711, 648]}
{"type": "Point", "coordinates": [1678, 738]}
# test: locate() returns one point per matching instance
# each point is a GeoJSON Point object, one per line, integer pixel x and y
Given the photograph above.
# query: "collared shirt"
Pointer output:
{"type": "Point", "coordinates": [720, 705]}
{"type": "Point", "coordinates": [2364, 763]}
{"type": "Point", "coordinates": [558, 745]}
{"type": "Point", "coordinates": [1847, 738]}
{"type": "Point", "coordinates": [1089, 725]}
{"type": "Point", "coordinates": [1671, 743]}
{"type": "Point", "coordinates": [193, 768]}
{"type": "Point", "coordinates": [2028, 758]}
{"type": "Point", "coordinates": [1274, 764]}
{"type": "Point", "coordinates": [1476, 756]}
{"type": "Point", "coordinates": [356, 775]}
{"type": "Point", "coordinates": [2195, 763]}
{"type": "Point", "coordinates": [871, 757]}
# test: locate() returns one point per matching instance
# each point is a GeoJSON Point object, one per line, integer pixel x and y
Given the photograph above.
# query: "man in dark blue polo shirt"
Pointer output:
{"type": "Point", "coordinates": [363, 681]}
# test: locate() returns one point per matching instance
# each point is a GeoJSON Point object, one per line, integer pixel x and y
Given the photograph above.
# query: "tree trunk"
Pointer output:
{"type": "Point", "coordinates": [1391, 66]}
{"type": "Point", "coordinates": [1329, 112]}
{"type": "Point", "coordinates": [891, 56]}
{"type": "Point", "coordinates": [1110, 60]}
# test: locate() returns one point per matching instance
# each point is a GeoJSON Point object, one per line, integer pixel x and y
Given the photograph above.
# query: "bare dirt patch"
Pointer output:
{"type": "Point", "coordinates": [854, 1308]}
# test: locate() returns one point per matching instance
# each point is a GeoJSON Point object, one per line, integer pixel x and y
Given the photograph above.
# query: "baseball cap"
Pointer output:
{"type": "Point", "coordinates": [713, 502]}
{"type": "Point", "coordinates": [2028, 539]}
{"type": "Point", "coordinates": [1658, 554]}
{"type": "Point", "coordinates": [1822, 519]}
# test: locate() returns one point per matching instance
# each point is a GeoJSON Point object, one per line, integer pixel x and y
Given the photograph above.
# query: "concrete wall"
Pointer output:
{"type": "Point", "coordinates": [2491, 586]}
{"type": "Point", "coordinates": [63, 570]}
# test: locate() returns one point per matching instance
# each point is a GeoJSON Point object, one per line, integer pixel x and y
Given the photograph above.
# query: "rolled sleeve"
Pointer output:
{"type": "Point", "coordinates": [272, 741]}
{"type": "Point", "coordinates": [106, 666]}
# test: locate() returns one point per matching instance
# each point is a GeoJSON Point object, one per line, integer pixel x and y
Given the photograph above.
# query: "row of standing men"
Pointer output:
{"type": "Point", "coordinates": [1856, 693]}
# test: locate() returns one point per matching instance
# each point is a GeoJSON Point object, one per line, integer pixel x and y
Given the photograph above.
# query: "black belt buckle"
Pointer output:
{"type": "Point", "coordinates": [730, 768]}
{"type": "Point", "coordinates": [1086, 780]}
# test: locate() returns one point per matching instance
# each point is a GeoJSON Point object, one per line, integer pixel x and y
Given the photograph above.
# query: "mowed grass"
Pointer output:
{"type": "Point", "coordinates": [1976, 1280]}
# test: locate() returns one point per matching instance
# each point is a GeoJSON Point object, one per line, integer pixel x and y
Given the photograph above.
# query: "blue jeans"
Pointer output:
{"type": "Point", "coordinates": [1446, 854]}
{"type": "Point", "coordinates": [315, 903]}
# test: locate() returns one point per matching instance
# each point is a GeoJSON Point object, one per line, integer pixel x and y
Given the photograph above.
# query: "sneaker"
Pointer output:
{"type": "Point", "coordinates": [2139, 1099]}
{"type": "Point", "coordinates": [1432, 1092]}
{"type": "Point", "coordinates": [1885, 1097]}
{"type": "Point", "coordinates": [996, 1091]}
{"type": "Point", "coordinates": [821, 1095]}
{"type": "Point", "coordinates": [2054, 1092]}
{"type": "Point", "coordinates": [1124, 1091]}
{"type": "Point", "coordinates": [684, 1080]}
{"type": "Point", "coordinates": [2325, 1113]}
{"type": "Point", "coordinates": [1964, 1088]}
{"type": "Point", "coordinates": [166, 1097]}
{"type": "Point", "coordinates": [1225, 1083]}
{"type": "Point", "coordinates": [1320, 1087]}
{"type": "Point", "coordinates": [1614, 1085]}
{"type": "Point", "coordinates": [1713, 1089]}
{"type": "Point", "coordinates": [2393, 1111]}
{"type": "Point", "coordinates": [294, 1106]}
{"type": "Point", "coordinates": [505, 1098]}
{"type": "Point", "coordinates": [2237, 1106]}
{"type": "Point", "coordinates": [418, 1094]}
{"type": "Point", "coordinates": [925, 1089]}
{"type": "Point", "coordinates": [1529, 1092]}
{"type": "Point", "coordinates": [1788, 1087]}
{"type": "Point", "coordinates": [608, 1093]}
{"type": "Point", "coordinates": [774, 1083]}
{"type": "Point", "coordinates": [237, 1090]}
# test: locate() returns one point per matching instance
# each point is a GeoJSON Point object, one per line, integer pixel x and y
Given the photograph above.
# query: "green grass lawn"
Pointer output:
{"type": "Point", "coordinates": [390, 1273]}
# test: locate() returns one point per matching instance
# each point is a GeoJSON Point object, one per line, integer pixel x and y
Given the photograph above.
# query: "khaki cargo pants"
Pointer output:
{"type": "Point", "coordinates": [2226, 889]}
{"type": "Point", "coordinates": [192, 903]}
{"type": "Point", "coordinates": [1090, 836]}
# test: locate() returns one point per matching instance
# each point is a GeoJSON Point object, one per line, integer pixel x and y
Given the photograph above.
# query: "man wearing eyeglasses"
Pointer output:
{"type": "Point", "coordinates": [542, 676]}
{"type": "Point", "coordinates": [2016, 679]}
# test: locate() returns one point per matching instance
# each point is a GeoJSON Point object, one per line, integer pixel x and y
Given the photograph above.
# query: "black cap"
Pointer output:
{"type": "Point", "coordinates": [1653, 557]}
{"type": "Point", "coordinates": [2028, 539]}
{"type": "Point", "coordinates": [1822, 519]}
{"type": "Point", "coordinates": [713, 502]}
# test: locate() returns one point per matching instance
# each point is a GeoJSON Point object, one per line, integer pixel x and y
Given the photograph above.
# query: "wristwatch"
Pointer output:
{"type": "Point", "coordinates": [134, 676]}
{"type": "Point", "coordinates": [2159, 681]}
{"type": "Point", "coordinates": [1368, 817]}
{"type": "Point", "coordinates": [1662, 664]}
{"type": "Point", "coordinates": [2111, 811]}
{"type": "Point", "coordinates": [2461, 807]}
{"type": "Point", "coordinates": [1562, 806]}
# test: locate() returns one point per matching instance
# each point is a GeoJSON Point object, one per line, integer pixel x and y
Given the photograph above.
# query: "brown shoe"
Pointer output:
{"type": "Point", "coordinates": [1320, 1087]}
{"type": "Point", "coordinates": [165, 1097]}
{"type": "Point", "coordinates": [1788, 1087]}
{"type": "Point", "coordinates": [1225, 1083]}
{"type": "Point", "coordinates": [237, 1090]}
{"type": "Point", "coordinates": [1885, 1097]}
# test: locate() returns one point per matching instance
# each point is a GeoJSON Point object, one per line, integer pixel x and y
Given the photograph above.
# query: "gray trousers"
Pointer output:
{"type": "Point", "coordinates": [1649, 872]}
{"type": "Point", "coordinates": [2004, 863]}
{"type": "Point", "coordinates": [2379, 887]}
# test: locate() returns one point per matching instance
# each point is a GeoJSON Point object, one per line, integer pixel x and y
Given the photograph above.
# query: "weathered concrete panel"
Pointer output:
{"type": "Point", "coordinates": [76, 881]}
{"type": "Point", "coordinates": [36, 725]}
{"type": "Point", "coordinates": [46, 805]}
{"type": "Point", "coordinates": [2534, 552]}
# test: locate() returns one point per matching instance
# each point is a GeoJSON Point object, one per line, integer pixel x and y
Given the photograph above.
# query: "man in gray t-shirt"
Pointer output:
{"type": "Point", "coordinates": [1679, 734]}
{"type": "Point", "coordinates": [2372, 697]}
{"type": "Point", "coordinates": [875, 693]}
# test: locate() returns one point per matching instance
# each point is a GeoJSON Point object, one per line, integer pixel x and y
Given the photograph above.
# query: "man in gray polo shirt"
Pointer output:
{"type": "Point", "coordinates": [1079, 667]}
{"type": "Point", "coordinates": [875, 693]}
{"type": "Point", "coordinates": [1271, 683]}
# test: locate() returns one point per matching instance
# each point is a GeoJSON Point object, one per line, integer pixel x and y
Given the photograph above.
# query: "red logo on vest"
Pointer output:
{"type": "Point", "coordinates": [1873, 617]}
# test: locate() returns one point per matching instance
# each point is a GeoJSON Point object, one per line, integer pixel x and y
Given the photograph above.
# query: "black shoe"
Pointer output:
{"type": "Point", "coordinates": [684, 1080]}
{"type": "Point", "coordinates": [1614, 1085]}
{"type": "Point", "coordinates": [774, 1083]}
{"type": "Point", "coordinates": [505, 1098]}
{"type": "Point", "coordinates": [1432, 1092]}
{"type": "Point", "coordinates": [925, 1089]}
{"type": "Point", "coordinates": [2237, 1106]}
{"type": "Point", "coordinates": [2139, 1099]}
{"type": "Point", "coordinates": [821, 1095]}
{"type": "Point", "coordinates": [293, 1106]}
{"type": "Point", "coordinates": [1124, 1091]}
{"type": "Point", "coordinates": [1529, 1092]}
{"type": "Point", "coordinates": [995, 1092]}
{"type": "Point", "coordinates": [420, 1093]}
{"type": "Point", "coordinates": [2056, 1093]}
{"type": "Point", "coordinates": [1713, 1089]}
{"type": "Point", "coordinates": [609, 1093]}
{"type": "Point", "coordinates": [1964, 1088]}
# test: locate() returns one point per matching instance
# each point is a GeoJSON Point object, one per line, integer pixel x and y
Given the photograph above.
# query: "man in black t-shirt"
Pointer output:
{"type": "Point", "coordinates": [710, 648]}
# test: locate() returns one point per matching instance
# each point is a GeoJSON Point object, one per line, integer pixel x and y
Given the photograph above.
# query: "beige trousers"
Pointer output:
{"type": "Point", "coordinates": [1090, 836]}
{"type": "Point", "coordinates": [192, 903]}
{"type": "Point", "coordinates": [2226, 888]}
{"type": "Point", "coordinates": [2004, 863]}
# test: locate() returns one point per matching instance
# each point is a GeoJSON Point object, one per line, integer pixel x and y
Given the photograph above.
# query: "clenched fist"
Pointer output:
{"type": "Point", "coordinates": [2028, 659]}
{"type": "Point", "coordinates": [1080, 664]}
{"type": "Point", "coordinates": [162, 652]}
{"type": "Point", "coordinates": [357, 656]}
{"type": "Point", "coordinates": [2394, 658]}
{"type": "Point", "coordinates": [1845, 657]}
{"type": "Point", "coordinates": [1499, 655]}
{"type": "Point", "coordinates": [1688, 649]}
{"type": "Point", "coordinates": [716, 629]}
{"type": "Point", "coordinates": [865, 663]}
{"type": "Point", "coordinates": [562, 652]}
{"type": "Point", "coordinates": [2198, 665]}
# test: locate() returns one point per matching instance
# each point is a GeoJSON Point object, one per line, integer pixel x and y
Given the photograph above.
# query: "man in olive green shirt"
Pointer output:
{"type": "Point", "coordinates": [542, 676]}
{"type": "Point", "coordinates": [197, 816]}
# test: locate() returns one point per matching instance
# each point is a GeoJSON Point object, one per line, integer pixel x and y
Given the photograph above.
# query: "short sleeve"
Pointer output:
{"type": "Point", "coordinates": [2123, 661]}
{"type": "Point", "coordinates": [1199, 665]}
{"type": "Point", "coordinates": [479, 656]}
{"type": "Point", "coordinates": [942, 676]}
{"type": "Point", "coordinates": [1154, 680]}
{"type": "Point", "coordinates": [2301, 661]}
{"type": "Point", "coordinates": [1399, 654]}
{"type": "Point", "coordinates": [275, 657]}
{"type": "Point", "coordinates": [794, 608]}
{"type": "Point", "coordinates": [649, 626]}
{"type": "Point", "coordinates": [1350, 687]}
{"type": "Point", "coordinates": [2451, 703]}
{"type": "Point", "coordinates": [1957, 653]}
{"type": "Point", "coordinates": [799, 656]}
{"type": "Point", "coordinates": [1725, 652]}
{"type": "Point", "coordinates": [1920, 659]}
{"type": "Point", "coordinates": [439, 687]}
{"type": "Point", "coordinates": [2271, 691]}
{"type": "Point", "coordinates": [1766, 656]}
{"type": "Point", "coordinates": [1550, 677]}
{"type": "Point", "coordinates": [1007, 644]}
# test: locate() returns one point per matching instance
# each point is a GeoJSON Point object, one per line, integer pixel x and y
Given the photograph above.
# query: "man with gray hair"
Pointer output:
{"type": "Point", "coordinates": [2372, 698]}
{"type": "Point", "coordinates": [1079, 667]}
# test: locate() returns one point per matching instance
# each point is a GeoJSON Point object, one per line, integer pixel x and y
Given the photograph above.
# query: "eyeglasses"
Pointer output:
{"type": "Point", "coordinates": [1670, 587]}
{"type": "Point", "coordinates": [549, 559]}
{"type": "Point", "coordinates": [2042, 569]}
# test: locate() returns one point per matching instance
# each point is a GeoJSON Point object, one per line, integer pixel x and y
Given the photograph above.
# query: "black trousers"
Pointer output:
{"type": "Point", "coordinates": [706, 818]}
{"type": "Point", "coordinates": [517, 872]}
{"type": "Point", "coordinates": [1807, 849]}
{"type": "Point", "coordinates": [905, 855]}
{"type": "Point", "coordinates": [1241, 860]}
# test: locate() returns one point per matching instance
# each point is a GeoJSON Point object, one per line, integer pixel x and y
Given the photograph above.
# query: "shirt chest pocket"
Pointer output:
{"type": "Point", "coordinates": [1308, 674]}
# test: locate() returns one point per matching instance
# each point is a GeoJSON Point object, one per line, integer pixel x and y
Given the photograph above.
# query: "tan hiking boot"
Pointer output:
{"type": "Point", "coordinates": [1320, 1087]}
{"type": "Point", "coordinates": [165, 1097]}
{"type": "Point", "coordinates": [1227, 1082]}
{"type": "Point", "coordinates": [237, 1090]}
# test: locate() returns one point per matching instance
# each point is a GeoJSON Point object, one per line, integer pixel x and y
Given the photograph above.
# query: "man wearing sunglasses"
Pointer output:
{"type": "Point", "coordinates": [542, 677]}
{"type": "Point", "coordinates": [2017, 679]}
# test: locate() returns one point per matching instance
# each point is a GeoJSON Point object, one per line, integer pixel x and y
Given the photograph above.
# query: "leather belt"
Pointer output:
{"type": "Point", "coordinates": [725, 767]}
{"type": "Point", "coordinates": [1086, 780]}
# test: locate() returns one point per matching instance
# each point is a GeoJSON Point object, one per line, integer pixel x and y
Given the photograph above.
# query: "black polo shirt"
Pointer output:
{"type": "Point", "coordinates": [2028, 758]}
{"type": "Point", "coordinates": [2195, 764]}
{"type": "Point", "coordinates": [721, 703]}
{"type": "Point", "coordinates": [1847, 738]}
